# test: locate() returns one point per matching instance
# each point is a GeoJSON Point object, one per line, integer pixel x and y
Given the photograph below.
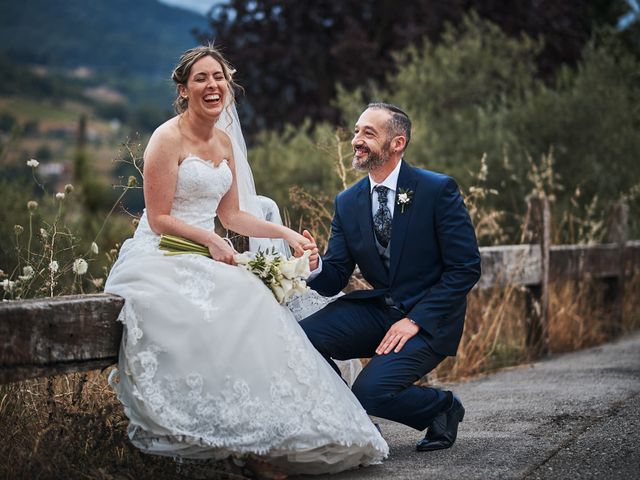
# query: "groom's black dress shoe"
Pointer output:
{"type": "Point", "coordinates": [443, 430]}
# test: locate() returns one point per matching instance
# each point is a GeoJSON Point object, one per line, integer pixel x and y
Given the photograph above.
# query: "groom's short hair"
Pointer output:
{"type": "Point", "coordinates": [399, 124]}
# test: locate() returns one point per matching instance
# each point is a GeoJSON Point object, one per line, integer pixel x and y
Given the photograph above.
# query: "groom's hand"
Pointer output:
{"type": "Point", "coordinates": [314, 258]}
{"type": "Point", "coordinates": [399, 333]}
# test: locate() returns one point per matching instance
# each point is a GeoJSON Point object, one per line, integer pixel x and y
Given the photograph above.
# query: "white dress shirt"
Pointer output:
{"type": "Point", "coordinates": [391, 182]}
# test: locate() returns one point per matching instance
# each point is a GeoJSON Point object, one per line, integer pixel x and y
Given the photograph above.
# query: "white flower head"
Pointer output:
{"type": "Point", "coordinates": [27, 273]}
{"type": "Point", "coordinates": [33, 163]}
{"type": "Point", "coordinates": [80, 266]}
{"type": "Point", "coordinates": [44, 234]}
{"type": "Point", "coordinates": [94, 248]}
{"type": "Point", "coordinates": [60, 195]}
{"type": "Point", "coordinates": [54, 267]}
{"type": "Point", "coordinates": [242, 258]}
{"type": "Point", "coordinates": [288, 268]}
{"type": "Point", "coordinates": [299, 286]}
{"type": "Point", "coordinates": [8, 285]}
{"type": "Point", "coordinates": [295, 268]}
{"type": "Point", "coordinates": [404, 198]}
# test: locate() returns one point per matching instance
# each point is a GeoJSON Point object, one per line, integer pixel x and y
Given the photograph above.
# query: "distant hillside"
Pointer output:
{"type": "Point", "coordinates": [111, 36]}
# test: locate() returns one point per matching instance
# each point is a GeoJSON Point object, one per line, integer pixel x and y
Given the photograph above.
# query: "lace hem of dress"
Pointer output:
{"type": "Point", "coordinates": [236, 419]}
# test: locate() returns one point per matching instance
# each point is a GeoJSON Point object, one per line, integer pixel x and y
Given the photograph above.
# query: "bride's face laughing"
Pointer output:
{"type": "Point", "coordinates": [206, 87]}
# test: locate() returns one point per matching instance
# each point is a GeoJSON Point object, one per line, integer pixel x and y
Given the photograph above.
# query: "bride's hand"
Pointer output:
{"type": "Point", "coordinates": [297, 242]}
{"type": "Point", "coordinates": [221, 251]}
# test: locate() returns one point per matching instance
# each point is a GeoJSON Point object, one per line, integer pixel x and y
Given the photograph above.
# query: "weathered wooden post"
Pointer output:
{"type": "Point", "coordinates": [617, 233]}
{"type": "Point", "coordinates": [538, 230]}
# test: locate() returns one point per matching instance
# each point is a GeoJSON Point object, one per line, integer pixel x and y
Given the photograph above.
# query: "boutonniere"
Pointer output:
{"type": "Point", "coordinates": [404, 198]}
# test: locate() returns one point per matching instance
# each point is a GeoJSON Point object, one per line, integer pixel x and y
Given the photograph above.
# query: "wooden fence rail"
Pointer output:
{"type": "Point", "coordinates": [77, 333]}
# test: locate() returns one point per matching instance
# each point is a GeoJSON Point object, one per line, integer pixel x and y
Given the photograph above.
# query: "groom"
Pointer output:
{"type": "Point", "coordinates": [409, 232]}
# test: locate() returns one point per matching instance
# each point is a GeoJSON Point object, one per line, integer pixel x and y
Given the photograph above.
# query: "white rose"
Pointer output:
{"type": "Point", "coordinates": [53, 267]}
{"type": "Point", "coordinates": [33, 163]}
{"type": "Point", "coordinates": [80, 266]}
{"type": "Point", "coordinates": [403, 198]}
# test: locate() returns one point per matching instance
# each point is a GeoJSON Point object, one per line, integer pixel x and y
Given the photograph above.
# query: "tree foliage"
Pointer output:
{"type": "Point", "coordinates": [290, 54]}
{"type": "Point", "coordinates": [477, 91]}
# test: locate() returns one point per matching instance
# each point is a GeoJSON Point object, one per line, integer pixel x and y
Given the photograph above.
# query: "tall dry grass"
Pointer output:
{"type": "Point", "coordinates": [73, 427]}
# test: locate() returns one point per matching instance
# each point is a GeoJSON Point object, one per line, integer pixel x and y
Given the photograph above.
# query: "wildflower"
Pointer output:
{"type": "Point", "coordinates": [32, 205]}
{"type": "Point", "coordinates": [44, 234]}
{"type": "Point", "coordinates": [33, 163]}
{"type": "Point", "coordinates": [8, 285]}
{"type": "Point", "coordinates": [68, 188]}
{"type": "Point", "coordinates": [132, 182]}
{"type": "Point", "coordinates": [60, 195]}
{"type": "Point", "coordinates": [97, 282]}
{"type": "Point", "coordinates": [94, 248]}
{"type": "Point", "coordinates": [27, 273]}
{"type": "Point", "coordinates": [18, 229]}
{"type": "Point", "coordinates": [53, 266]}
{"type": "Point", "coordinates": [80, 266]}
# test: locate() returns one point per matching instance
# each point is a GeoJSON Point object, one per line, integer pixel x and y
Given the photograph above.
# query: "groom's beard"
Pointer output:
{"type": "Point", "coordinates": [373, 159]}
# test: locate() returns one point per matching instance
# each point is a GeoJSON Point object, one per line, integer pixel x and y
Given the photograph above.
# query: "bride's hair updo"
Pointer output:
{"type": "Point", "coordinates": [182, 70]}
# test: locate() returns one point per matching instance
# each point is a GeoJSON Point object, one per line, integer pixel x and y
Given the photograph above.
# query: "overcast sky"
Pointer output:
{"type": "Point", "coordinates": [200, 6]}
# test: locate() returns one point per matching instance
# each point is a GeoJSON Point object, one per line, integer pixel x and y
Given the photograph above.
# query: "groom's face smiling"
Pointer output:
{"type": "Point", "coordinates": [371, 143]}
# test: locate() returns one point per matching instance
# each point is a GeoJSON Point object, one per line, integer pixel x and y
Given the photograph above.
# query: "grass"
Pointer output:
{"type": "Point", "coordinates": [70, 426]}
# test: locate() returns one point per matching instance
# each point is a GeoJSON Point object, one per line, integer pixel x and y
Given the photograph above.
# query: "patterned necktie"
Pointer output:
{"type": "Point", "coordinates": [382, 217]}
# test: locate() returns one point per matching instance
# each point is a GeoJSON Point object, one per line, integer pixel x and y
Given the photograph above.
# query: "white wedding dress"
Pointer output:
{"type": "Point", "coordinates": [211, 365]}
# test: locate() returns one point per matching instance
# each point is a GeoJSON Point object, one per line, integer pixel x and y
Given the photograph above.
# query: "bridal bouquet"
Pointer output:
{"type": "Point", "coordinates": [284, 277]}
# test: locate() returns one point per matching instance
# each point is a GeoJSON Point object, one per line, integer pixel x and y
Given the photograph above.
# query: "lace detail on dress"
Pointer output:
{"type": "Point", "coordinates": [236, 418]}
{"type": "Point", "coordinates": [199, 290]}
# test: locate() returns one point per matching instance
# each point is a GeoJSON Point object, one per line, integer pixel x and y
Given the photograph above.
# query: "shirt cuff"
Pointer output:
{"type": "Point", "coordinates": [317, 271]}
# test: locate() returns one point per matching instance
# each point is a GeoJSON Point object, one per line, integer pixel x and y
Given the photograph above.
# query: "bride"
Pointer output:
{"type": "Point", "coordinates": [211, 366]}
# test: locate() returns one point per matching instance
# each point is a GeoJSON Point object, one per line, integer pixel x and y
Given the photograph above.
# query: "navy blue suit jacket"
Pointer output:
{"type": "Point", "coordinates": [434, 253]}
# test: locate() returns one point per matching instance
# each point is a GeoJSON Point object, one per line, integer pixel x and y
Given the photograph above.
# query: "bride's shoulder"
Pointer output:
{"type": "Point", "coordinates": [168, 131]}
{"type": "Point", "coordinates": [166, 139]}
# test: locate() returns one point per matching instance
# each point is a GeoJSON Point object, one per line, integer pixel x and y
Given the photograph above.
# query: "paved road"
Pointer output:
{"type": "Point", "coordinates": [570, 416]}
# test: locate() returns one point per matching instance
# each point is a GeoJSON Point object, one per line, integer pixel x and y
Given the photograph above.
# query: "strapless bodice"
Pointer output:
{"type": "Point", "coordinates": [200, 187]}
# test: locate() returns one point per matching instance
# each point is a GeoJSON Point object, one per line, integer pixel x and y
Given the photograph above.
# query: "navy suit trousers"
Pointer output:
{"type": "Point", "coordinates": [350, 328]}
